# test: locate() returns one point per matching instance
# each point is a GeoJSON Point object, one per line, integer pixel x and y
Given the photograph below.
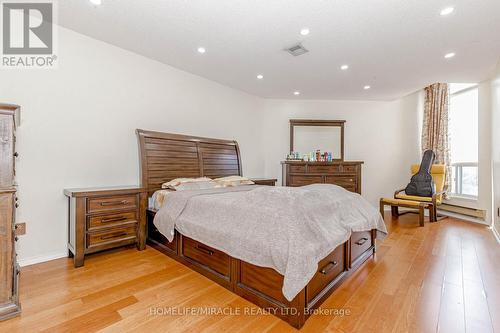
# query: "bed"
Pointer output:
{"type": "Point", "coordinates": [166, 156]}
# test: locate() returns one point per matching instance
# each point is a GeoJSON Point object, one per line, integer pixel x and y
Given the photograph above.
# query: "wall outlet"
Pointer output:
{"type": "Point", "coordinates": [20, 229]}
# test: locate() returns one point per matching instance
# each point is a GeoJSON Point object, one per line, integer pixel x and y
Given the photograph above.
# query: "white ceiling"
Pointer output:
{"type": "Point", "coordinates": [395, 46]}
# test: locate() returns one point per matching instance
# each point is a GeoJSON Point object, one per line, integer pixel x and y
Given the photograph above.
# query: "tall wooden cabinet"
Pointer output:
{"type": "Point", "coordinates": [9, 270]}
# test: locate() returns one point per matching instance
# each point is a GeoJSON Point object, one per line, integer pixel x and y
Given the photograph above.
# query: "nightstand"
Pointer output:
{"type": "Point", "coordinates": [264, 181]}
{"type": "Point", "coordinates": [105, 218]}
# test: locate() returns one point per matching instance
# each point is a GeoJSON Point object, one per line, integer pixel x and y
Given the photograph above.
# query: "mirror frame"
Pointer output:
{"type": "Point", "coordinates": [316, 122]}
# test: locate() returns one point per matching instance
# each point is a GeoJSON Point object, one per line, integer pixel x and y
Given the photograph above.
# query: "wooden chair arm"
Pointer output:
{"type": "Point", "coordinates": [397, 192]}
{"type": "Point", "coordinates": [437, 194]}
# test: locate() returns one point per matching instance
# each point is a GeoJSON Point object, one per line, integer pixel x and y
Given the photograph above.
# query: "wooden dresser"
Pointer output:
{"type": "Point", "coordinates": [9, 270]}
{"type": "Point", "coordinates": [342, 173]}
{"type": "Point", "coordinates": [105, 218]}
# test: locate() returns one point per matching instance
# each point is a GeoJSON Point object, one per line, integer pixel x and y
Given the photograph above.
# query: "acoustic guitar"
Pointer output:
{"type": "Point", "coordinates": [421, 183]}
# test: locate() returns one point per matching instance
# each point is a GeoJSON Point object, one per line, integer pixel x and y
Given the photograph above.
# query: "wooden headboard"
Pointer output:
{"type": "Point", "coordinates": [166, 156]}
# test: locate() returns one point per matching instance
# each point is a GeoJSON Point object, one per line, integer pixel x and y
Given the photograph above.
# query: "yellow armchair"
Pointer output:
{"type": "Point", "coordinates": [438, 173]}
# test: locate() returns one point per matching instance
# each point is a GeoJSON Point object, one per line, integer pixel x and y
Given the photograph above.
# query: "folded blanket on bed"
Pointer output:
{"type": "Point", "coordinates": [287, 229]}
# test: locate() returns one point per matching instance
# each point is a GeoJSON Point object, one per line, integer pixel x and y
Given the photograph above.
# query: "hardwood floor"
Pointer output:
{"type": "Point", "coordinates": [444, 277]}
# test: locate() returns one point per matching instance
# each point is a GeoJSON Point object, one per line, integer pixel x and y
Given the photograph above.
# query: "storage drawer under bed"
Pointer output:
{"type": "Point", "coordinates": [328, 269]}
{"type": "Point", "coordinates": [360, 243]}
{"type": "Point", "coordinates": [214, 259]}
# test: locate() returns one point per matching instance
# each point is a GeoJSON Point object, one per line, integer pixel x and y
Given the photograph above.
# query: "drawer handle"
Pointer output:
{"type": "Point", "coordinates": [114, 236]}
{"type": "Point", "coordinates": [361, 241]}
{"type": "Point", "coordinates": [113, 219]}
{"type": "Point", "coordinates": [204, 250]}
{"type": "Point", "coordinates": [327, 269]}
{"type": "Point", "coordinates": [112, 203]}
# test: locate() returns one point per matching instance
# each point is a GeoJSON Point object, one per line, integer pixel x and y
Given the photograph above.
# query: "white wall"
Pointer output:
{"type": "Point", "coordinates": [382, 134]}
{"type": "Point", "coordinates": [78, 127]}
{"type": "Point", "coordinates": [495, 107]}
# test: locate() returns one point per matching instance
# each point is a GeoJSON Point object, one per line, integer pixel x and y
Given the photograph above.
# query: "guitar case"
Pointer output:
{"type": "Point", "coordinates": [421, 183]}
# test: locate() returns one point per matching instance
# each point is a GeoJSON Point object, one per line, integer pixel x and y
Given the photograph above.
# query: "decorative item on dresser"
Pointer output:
{"type": "Point", "coordinates": [105, 218]}
{"type": "Point", "coordinates": [264, 181]}
{"type": "Point", "coordinates": [345, 174]}
{"type": "Point", "coordinates": [161, 154]}
{"type": "Point", "coordinates": [9, 269]}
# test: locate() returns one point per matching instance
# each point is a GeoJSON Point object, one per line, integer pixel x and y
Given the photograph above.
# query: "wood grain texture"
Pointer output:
{"type": "Point", "coordinates": [401, 290]}
{"type": "Point", "coordinates": [166, 156]}
{"type": "Point", "coordinates": [104, 218]}
{"type": "Point", "coordinates": [6, 248]}
{"type": "Point", "coordinates": [9, 301]}
{"type": "Point", "coordinates": [346, 174]}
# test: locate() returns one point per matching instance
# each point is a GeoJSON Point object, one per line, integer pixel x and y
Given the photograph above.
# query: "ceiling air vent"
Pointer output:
{"type": "Point", "coordinates": [296, 50]}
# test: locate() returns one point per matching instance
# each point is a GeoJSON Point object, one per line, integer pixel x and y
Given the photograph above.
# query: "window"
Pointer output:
{"type": "Point", "coordinates": [463, 131]}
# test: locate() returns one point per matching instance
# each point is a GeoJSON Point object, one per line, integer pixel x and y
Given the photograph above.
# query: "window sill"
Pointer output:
{"type": "Point", "coordinates": [461, 198]}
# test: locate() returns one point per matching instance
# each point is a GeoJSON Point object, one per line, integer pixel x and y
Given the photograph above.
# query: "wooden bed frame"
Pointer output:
{"type": "Point", "coordinates": [167, 156]}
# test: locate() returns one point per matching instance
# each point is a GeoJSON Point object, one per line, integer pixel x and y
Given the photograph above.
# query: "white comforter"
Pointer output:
{"type": "Point", "coordinates": [287, 229]}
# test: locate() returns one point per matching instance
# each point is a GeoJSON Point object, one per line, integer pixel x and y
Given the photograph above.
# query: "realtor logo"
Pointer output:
{"type": "Point", "coordinates": [28, 34]}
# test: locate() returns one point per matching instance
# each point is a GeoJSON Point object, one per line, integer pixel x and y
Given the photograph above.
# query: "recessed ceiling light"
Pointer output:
{"type": "Point", "coordinates": [304, 31]}
{"type": "Point", "coordinates": [366, 87]}
{"type": "Point", "coordinates": [344, 67]}
{"type": "Point", "coordinates": [447, 11]}
{"type": "Point", "coordinates": [296, 93]}
{"type": "Point", "coordinates": [260, 76]}
{"type": "Point", "coordinates": [201, 50]}
{"type": "Point", "coordinates": [449, 55]}
{"type": "Point", "coordinates": [96, 2]}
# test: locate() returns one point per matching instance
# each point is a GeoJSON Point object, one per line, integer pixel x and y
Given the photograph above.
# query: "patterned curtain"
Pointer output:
{"type": "Point", "coordinates": [435, 129]}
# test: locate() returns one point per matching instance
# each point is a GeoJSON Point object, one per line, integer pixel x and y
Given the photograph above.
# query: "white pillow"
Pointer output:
{"type": "Point", "coordinates": [178, 181]}
{"type": "Point", "coordinates": [233, 181]}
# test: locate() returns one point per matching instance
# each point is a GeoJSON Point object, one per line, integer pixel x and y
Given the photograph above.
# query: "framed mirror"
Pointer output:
{"type": "Point", "coordinates": [309, 135]}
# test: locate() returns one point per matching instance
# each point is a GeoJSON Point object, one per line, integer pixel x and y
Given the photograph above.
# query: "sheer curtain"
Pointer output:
{"type": "Point", "coordinates": [435, 127]}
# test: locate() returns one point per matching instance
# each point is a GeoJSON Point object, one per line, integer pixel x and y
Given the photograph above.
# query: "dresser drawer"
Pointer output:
{"type": "Point", "coordinates": [340, 180]}
{"type": "Point", "coordinates": [360, 242]}
{"type": "Point", "coordinates": [297, 168]}
{"type": "Point", "coordinates": [327, 168]}
{"type": "Point", "coordinates": [328, 269]}
{"type": "Point", "coordinates": [111, 235]}
{"type": "Point", "coordinates": [207, 256]}
{"type": "Point", "coordinates": [103, 204]}
{"type": "Point", "coordinates": [349, 183]}
{"type": "Point", "coordinates": [302, 180]}
{"type": "Point", "coordinates": [349, 169]}
{"type": "Point", "coordinates": [108, 220]}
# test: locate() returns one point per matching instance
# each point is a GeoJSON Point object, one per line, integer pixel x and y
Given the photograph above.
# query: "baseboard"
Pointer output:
{"type": "Point", "coordinates": [463, 217]}
{"type": "Point", "coordinates": [447, 213]}
{"type": "Point", "coordinates": [495, 233]}
{"type": "Point", "coordinates": [42, 258]}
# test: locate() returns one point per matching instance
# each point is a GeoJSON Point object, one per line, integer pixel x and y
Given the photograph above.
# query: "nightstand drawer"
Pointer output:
{"type": "Point", "coordinates": [103, 204]}
{"type": "Point", "coordinates": [264, 181]}
{"type": "Point", "coordinates": [111, 235]}
{"type": "Point", "coordinates": [108, 220]}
